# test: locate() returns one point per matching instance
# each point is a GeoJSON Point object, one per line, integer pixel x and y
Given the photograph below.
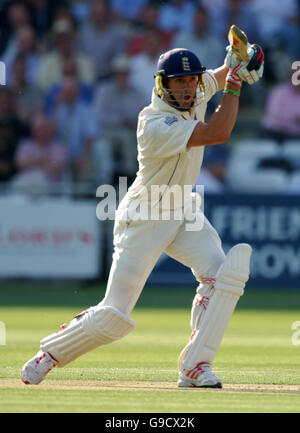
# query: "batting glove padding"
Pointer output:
{"type": "Point", "coordinates": [249, 72]}
{"type": "Point", "coordinates": [233, 75]}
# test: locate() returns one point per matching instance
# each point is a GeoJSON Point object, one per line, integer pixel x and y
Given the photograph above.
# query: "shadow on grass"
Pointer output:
{"type": "Point", "coordinates": [29, 294]}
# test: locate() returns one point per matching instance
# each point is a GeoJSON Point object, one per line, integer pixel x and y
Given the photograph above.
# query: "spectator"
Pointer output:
{"type": "Point", "coordinates": [100, 38]}
{"type": "Point", "coordinates": [129, 9]}
{"type": "Point", "coordinates": [40, 159]}
{"type": "Point", "coordinates": [212, 4]}
{"type": "Point", "coordinates": [42, 13]}
{"type": "Point", "coordinates": [117, 103]}
{"type": "Point", "coordinates": [143, 66]}
{"type": "Point", "coordinates": [8, 146]}
{"type": "Point", "coordinates": [148, 21]}
{"type": "Point", "coordinates": [76, 126]}
{"type": "Point", "coordinates": [69, 69]}
{"type": "Point", "coordinates": [278, 23]}
{"type": "Point", "coordinates": [4, 25]}
{"type": "Point", "coordinates": [17, 16]}
{"type": "Point", "coordinates": [207, 45]}
{"type": "Point", "coordinates": [239, 12]}
{"type": "Point", "coordinates": [29, 98]}
{"type": "Point", "coordinates": [64, 12]}
{"type": "Point", "coordinates": [177, 15]}
{"type": "Point", "coordinates": [282, 113]}
{"type": "Point", "coordinates": [50, 71]}
{"type": "Point", "coordinates": [8, 113]}
{"type": "Point", "coordinates": [80, 10]}
{"type": "Point", "coordinates": [26, 46]}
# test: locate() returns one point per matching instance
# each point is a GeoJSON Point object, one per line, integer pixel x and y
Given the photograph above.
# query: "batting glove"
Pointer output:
{"type": "Point", "coordinates": [233, 75]}
{"type": "Point", "coordinates": [252, 71]}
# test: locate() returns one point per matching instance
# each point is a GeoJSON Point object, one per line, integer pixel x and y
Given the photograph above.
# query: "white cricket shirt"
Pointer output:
{"type": "Point", "coordinates": [162, 134]}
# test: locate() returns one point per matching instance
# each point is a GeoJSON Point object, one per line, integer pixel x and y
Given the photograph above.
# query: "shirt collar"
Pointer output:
{"type": "Point", "coordinates": [161, 105]}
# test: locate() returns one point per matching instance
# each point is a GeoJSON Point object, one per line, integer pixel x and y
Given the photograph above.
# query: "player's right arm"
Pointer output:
{"type": "Point", "coordinates": [218, 129]}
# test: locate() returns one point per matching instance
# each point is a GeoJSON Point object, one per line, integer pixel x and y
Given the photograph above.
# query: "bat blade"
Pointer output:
{"type": "Point", "coordinates": [239, 42]}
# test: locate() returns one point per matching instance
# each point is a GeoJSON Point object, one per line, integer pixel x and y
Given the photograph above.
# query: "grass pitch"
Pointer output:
{"type": "Point", "coordinates": [257, 360]}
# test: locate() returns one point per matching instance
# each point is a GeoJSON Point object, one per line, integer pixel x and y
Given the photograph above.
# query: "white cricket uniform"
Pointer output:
{"type": "Point", "coordinates": [164, 159]}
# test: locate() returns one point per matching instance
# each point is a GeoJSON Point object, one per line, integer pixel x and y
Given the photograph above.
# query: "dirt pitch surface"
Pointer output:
{"type": "Point", "coordinates": [149, 386]}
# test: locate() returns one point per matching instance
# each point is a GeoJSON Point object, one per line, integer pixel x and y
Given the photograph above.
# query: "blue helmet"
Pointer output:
{"type": "Point", "coordinates": [176, 63]}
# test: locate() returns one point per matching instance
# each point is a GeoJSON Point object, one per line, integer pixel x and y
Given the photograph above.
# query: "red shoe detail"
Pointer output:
{"type": "Point", "coordinates": [195, 372]}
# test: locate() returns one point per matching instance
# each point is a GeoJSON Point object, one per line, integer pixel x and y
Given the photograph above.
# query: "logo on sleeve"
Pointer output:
{"type": "Point", "coordinates": [169, 120]}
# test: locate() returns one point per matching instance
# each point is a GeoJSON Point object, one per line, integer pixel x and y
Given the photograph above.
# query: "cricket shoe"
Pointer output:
{"type": "Point", "coordinates": [200, 376]}
{"type": "Point", "coordinates": [34, 371]}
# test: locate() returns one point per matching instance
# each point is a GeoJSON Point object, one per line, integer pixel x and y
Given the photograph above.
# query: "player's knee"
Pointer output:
{"type": "Point", "coordinates": [213, 266]}
{"type": "Point", "coordinates": [234, 273]}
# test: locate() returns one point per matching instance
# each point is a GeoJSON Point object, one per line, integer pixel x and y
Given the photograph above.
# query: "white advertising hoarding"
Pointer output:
{"type": "Point", "coordinates": [49, 238]}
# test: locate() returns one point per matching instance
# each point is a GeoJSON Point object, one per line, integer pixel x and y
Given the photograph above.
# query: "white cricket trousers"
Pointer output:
{"type": "Point", "coordinates": [139, 244]}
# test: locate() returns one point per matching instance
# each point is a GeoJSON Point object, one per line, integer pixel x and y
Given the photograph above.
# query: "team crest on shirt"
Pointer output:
{"type": "Point", "coordinates": [169, 120]}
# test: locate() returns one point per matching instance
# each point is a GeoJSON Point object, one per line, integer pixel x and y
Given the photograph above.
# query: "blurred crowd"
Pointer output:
{"type": "Point", "coordinates": [79, 72]}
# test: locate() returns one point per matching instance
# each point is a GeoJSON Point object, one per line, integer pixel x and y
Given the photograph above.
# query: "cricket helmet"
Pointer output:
{"type": "Point", "coordinates": [177, 63]}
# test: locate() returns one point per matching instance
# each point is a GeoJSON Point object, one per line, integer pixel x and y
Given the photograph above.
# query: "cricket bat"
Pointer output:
{"type": "Point", "coordinates": [239, 43]}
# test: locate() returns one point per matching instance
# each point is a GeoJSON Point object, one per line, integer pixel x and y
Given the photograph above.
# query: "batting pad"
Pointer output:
{"type": "Point", "coordinates": [229, 286]}
{"type": "Point", "coordinates": [98, 326]}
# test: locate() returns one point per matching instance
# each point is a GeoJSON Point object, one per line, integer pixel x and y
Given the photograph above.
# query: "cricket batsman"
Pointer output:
{"type": "Point", "coordinates": [172, 135]}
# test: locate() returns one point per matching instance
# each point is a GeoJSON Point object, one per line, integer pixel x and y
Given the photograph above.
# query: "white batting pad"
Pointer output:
{"type": "Point", "coordinates": [98, 326]}
{"type": "Point", "coordinates": [229, 286]}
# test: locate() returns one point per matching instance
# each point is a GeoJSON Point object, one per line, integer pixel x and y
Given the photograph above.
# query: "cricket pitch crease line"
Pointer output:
{"type": "Point", "coordinates": [148, 386]}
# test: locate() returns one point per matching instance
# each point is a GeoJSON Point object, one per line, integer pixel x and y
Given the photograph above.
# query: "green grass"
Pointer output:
{"type": "Point", "coordinates": [257, 349]}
